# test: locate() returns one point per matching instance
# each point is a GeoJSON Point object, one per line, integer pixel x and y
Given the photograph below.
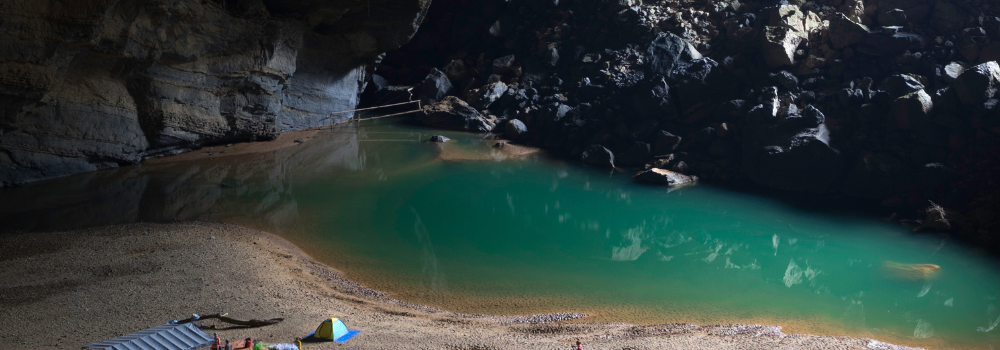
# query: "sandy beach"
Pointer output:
{"type": "Point", "coordinates": [64, 290]}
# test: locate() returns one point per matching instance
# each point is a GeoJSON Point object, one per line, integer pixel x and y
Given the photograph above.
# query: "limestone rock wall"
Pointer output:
{"type": "Point", "coordinates": [94, 84]}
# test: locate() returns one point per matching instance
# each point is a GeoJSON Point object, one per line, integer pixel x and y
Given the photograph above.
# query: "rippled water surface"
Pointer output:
{"type": "Point", "coordinates": [462, 227]}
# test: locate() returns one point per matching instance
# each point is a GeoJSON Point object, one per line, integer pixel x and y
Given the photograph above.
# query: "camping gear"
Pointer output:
{"type": "Point", "coordinates": [163, 337]}
{"type": "Point", "coordinates": [333, 329]}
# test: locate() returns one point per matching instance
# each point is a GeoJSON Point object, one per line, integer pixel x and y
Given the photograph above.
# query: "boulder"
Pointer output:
{"type": "Point", "coordinates": [439, 138]}
{"type": "Point", "coordinates": [788, 16]}
{"type": "Point", "coordinates": [435, 86]}
{"type": "Point", "coordinates": [666, 142]}
{"type": "Point", "coordinates": [978, 84]}
{"type": "Point", "coordinates": [844, 31]}
{"type": "Point", "coordinates": [598, 156]}
{"type": "Point", "coordinates": [515, 129]}
{"type": "Point", "coordinates": [453, 113]}
{"type": "Point", "coordinates": [901, 84]}
{"type": "Point", "coordinates": [911, 111]}
{"type": "Point", "coordinates": [779, 46]}
{"type": "Point", "coordinates": [789, 152]}
{"type": "Point", "coordinates": [952, 70]}
{"type": "Point", "coordinates": [657, 176]}
{"type": "Point", "coordinates": [503, 65]}
{"type": "Point", "coordinates": [457, 72]}
{"type": "Point", "coordinates": [669, 53]}
{"type": "Point", "coordinates": [483, 97]}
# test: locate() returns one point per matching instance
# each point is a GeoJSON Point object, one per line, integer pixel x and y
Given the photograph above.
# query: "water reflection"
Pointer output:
{"type": "Point", "coordinates": [459, 218]}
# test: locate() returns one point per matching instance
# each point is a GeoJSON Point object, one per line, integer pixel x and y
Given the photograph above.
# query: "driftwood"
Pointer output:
{"type": "Point", "coordinates": [224, 318]}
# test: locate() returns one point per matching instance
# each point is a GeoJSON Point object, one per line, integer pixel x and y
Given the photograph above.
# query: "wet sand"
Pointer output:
{"type": "Point", "coordinates": [64, 290]}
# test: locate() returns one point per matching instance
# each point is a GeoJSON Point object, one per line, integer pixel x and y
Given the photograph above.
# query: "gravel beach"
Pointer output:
{"type": "Point", "coordinates": [64, 290]}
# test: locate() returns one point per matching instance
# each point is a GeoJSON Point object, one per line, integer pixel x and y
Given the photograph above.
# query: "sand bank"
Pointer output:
{"type": "Point", "coordinates": [64, 290]}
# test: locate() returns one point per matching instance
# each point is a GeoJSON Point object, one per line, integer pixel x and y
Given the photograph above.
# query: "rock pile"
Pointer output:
{"type": "Point", "coordinates": [890, 100]}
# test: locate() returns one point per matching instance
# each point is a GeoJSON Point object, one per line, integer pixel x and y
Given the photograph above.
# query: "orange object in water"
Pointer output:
{"type": "Point", "coordinates": [910, 272]}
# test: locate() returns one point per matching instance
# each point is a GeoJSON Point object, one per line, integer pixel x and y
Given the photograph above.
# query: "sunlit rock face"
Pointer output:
{"type": "Point", "coordinates": [93, 84]}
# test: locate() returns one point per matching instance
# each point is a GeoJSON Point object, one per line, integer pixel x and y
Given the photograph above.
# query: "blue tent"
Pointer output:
{"type": "Point", "coordinates": [333, 329]}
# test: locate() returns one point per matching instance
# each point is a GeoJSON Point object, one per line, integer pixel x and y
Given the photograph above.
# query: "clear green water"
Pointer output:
{"type": "Point", "coordinates": [538, 235]}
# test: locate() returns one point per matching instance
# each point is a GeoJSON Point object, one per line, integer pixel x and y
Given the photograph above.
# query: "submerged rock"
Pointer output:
{"type": "Point", "coordinates": [439, 138]}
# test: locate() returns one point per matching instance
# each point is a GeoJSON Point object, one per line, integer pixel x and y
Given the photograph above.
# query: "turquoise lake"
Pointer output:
{"type": "Point", "coordinates": [465, 227]}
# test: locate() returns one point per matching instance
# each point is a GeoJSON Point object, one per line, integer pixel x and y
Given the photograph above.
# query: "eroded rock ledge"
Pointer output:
{"type": "Point", "coordinates": [93, 84]}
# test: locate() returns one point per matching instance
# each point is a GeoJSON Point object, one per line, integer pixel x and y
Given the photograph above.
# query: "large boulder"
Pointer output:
{"type": "Point", "coordinates": [657, 176]}
{"type": "Point", "coordinates": [483, 97]}
{"type": "Point", "coordinates": [779, 45]}
{"type": "Point", "coordinates": [598, 156]}
{"type": "Point", "coordinates": [453, 113]}
{"type": "Point", "coordinates": [669, 53]}
{"type": "Point", "coordinates": [845, 32]}
{"type": "Point", "coordinates": [911, 111]}
{"type": "Point", "coordinates": [789, 152]}
{"type": "Point", "coordinates": [515, 129]}
{"type": "Point", "coordinates": [901, 84]}
{"type": "Point", "coordinates": [947, 17]}
{"type": "Point", "coordinates": [978, 84]}
{"type": "Point", "coordinates": [435, 86]}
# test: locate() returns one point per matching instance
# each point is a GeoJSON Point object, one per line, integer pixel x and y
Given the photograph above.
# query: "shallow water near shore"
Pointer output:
{"type": "Point", "coordinates": [470, 228]}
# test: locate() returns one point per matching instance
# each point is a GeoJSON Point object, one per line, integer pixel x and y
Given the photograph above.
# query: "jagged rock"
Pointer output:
{"type": "Point", "coordinates": [654, 101]}
{"type": "Point", "coordinates": [935, 219]}
{"type": "Point", "coordinates": [598, 156]}
{"type": "Point", "coordinates": [779, 46]}
{"type": "Point", "coordinates": [503, 65]}
{"type": "Point", "coordinates": [901, 84]}
{"type": "Point", "coordinates": [635, 155]}
{"type": "Point", "coordinates": [882, 44]}
{"type": "Point", "coordinates": [844, 31]}
{"type": "Point", "coordinates": [786, 79]}
{"type": "Point", "coordinates": [911, 111]}
{"type": "Point", "coordinates": [483, 97]}
{"type": "Point", "coordinates": [788, 16]}
{"type": "Point", "coordinates": [669, 53]}
{"type": "Point", "coordinates": [453, 113]}
{"type": "Point", "coordinates": [666, 142]}
{"type": "Point", "coordinates": [435, 86]}
{"type": "Point", "coordinates": [952, 71]}
{"type": "Point", "coordinates": [438, 138]}
{"type": "Point", "coordinates": [978, 84]}
{"type": "Point", "coordinates": [515, 129]}
{"type": "Point", "coordinates": [791, 152]}
{"type": "Point", "coordinates": [657, 176]}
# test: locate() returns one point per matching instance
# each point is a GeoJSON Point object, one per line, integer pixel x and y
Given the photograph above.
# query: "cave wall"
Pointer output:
{"type": "Point", "coordinates": [94, 84]}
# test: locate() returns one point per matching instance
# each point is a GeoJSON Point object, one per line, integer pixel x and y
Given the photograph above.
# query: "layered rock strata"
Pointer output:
{"type": "Point", "coordinates": [94, 84]}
